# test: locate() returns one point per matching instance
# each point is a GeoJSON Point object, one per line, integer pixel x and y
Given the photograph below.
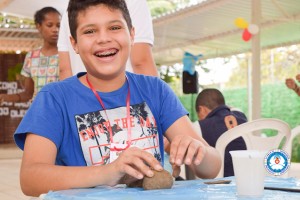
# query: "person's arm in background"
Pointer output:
{"type": "Point", "coordinates": [298, 89]}
{"type": "Point", "coordinates": [27, 85]}
{"type": "Point", "coordinates": [22, 96]}
{"type": "Point", "coordinates": [141, 53]}
{"type": "Point", "coordinates": [65, 69]}
{"type": "Point", "coordinates": [142, 60]}
{"type": "Point", "coordinates": [291, 84]}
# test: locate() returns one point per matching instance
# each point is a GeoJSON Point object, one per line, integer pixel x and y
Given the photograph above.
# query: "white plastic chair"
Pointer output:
{"type": "Point", "coordinates": [295, 132]}
{"type": "Point", "coordinates": [294, 167]}
{"type": "Point", "coordinates": [253, 139]}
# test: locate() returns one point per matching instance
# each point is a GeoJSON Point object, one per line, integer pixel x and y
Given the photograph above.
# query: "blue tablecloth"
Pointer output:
{"type": "Point", "coordinates": [183, 190]}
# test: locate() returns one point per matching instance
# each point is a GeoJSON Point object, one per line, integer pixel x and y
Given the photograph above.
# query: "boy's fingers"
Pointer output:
{"type": "Point", "coordinates": [182, 152]}
{"type": "Point", "coordinates": [176, 170]}
{"type": "Point", "coordinates": [200, 155]}
{"type": "Point", "coordinates": [140, 165]}
{"type": "Point", "coordinates": [127, 179]}
{"type": "Point", "coordinates": [150, 160]}
{"type": "Point", "coordinates": [133, 172]}
{"type": "Point", "coordinates": [186, 151]}
{"type": "Point", "coordinates": [190, 155]}
{"type": "Point", "coordinates": [173, 150]}
{"type": "Point", "coordinates": [178, 150]}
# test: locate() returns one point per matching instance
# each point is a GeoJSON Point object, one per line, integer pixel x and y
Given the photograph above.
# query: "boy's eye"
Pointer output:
{"type": "Point", "coordinates": [90, 31]}
{"type": "Point", "coordinates": [115, 28]}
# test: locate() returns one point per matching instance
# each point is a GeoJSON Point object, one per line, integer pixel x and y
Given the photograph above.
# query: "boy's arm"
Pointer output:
{"type": "Point", "coordinates": [187, 147]}
{"type": "Point", "coordinates": [39, 174]}
{"type": "Point", "coordinates": [65, 70]}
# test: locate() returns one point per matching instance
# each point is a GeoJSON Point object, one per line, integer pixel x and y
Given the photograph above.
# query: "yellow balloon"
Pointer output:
{"type": "Point", "coordinates": [241, 23]}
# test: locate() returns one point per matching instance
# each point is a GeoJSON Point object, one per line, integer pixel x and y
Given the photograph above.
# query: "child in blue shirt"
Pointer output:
{"type": "Point", "coordinates": [100, 126]}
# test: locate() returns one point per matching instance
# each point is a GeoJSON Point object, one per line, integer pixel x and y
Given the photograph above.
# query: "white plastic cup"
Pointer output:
{"type": "Point", "coordinates": [249, 171]}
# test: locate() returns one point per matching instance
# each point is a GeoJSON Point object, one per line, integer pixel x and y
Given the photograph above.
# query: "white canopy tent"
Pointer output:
{"type": "Point", "coordinates": [27, 8]}
{"type": "Point", "coordinates": [207, 28]}
{"type": "Point", "coordinates": [14, 39]}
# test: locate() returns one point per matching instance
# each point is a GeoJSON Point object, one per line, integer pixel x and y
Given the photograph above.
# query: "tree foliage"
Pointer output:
{"type": "Point", "coordinates": [159, 7]}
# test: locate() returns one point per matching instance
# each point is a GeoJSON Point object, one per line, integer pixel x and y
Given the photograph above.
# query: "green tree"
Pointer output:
{"type": "Point", "coordinates": [159, 7]}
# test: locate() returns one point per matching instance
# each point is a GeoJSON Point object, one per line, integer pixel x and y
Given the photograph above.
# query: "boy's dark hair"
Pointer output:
{"type": "Point", "coordinates": [39, 15]}
{"type": "Point", "coordinates": [211, 98]}
{"type": "Point", "coordinates": [77, 6]}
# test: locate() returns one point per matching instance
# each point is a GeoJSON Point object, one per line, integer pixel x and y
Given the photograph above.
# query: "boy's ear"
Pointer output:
{"type": "Point", "coordinates": [74, 44]}
{"type": "Point", "coordinates": [132, 34]}
{"type": "Point", "coordinates": [205, 110]}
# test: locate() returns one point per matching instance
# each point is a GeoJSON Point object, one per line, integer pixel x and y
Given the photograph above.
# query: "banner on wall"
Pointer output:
{"type": "Point", "coordinates": [11, 113]}
{"type": "Point", "coordinates": [9, 109]}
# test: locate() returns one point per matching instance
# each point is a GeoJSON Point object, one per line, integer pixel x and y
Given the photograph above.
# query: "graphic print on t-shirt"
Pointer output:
{"type": "Point", "coordinates": [95, 137]}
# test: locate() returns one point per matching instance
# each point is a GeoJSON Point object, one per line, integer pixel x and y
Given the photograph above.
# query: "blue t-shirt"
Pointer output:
{"type": "Point", "coordinates": [69, 114]}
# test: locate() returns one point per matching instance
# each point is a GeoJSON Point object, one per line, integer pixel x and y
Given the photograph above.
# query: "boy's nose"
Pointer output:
{"type": "Point", "coordinates": [103, 36]}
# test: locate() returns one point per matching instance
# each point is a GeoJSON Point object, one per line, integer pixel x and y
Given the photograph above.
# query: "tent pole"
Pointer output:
{"type": "Point", "coordinates": [256, 74]}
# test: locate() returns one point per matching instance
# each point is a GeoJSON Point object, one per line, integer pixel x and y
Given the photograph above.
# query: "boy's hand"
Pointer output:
{"type": "Point", "coordinates": [135, 163]}
{"type": "Point", "coordinates": [186, 150]}
{"type": "Point", "coordinates": [176, 171]}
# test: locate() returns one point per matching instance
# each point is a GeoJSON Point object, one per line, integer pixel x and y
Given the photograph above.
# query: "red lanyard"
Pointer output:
{"type": "Point", "coordinates": [127, 114]}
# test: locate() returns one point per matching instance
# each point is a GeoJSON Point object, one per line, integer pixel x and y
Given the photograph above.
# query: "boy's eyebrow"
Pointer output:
{"type": "Point", "coordinates": [110, 22]}
{"type": "Point", "coordinates": [116, 21]}
{"type": "Point", "coordinates": [86, 26]}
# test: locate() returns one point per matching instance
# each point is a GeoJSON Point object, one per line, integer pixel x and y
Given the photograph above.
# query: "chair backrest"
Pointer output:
{"type": "Point", "coordinates": [254, 140]}
{"type": "Point", "coordinates": [289, 146]}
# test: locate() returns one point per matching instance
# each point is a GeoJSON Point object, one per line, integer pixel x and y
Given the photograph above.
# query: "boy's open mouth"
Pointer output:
{"type": "Point", "coordinates": [107, 53]}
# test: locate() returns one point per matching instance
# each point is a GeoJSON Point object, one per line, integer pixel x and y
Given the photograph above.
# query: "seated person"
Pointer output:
{"type": "Point", "coordinates": [104, 126]}
{"type": "Point", "coordinates": [214, 119]}
{"type": "Point", "coordinates": [291, 84]}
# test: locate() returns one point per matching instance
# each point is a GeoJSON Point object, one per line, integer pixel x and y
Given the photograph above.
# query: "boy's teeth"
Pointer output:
{"type": "Point", "coordinates": [106, 53]}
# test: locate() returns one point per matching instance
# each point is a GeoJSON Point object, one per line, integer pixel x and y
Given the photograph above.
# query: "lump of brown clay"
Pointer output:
{"type": "Point", "coordinates": [138, 183]}
{"type": "Point", "coordinates": [160, 180]}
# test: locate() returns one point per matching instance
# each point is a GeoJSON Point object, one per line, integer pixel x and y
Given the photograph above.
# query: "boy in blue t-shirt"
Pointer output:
{"type": "Point", "coordinates": [98, 127]}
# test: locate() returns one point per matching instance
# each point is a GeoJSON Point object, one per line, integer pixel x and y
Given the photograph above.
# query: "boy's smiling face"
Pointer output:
{"type": "Point", "coordinates": [103, 41]}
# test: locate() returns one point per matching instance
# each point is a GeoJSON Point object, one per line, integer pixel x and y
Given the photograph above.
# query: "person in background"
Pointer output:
{"type": "Point", "coordinates": [215, 117]}
{"type": "Point", "coordinates": [291, 84]}
{"type": "Point", "coordinates": [141, 59]}
{"type": "Point", "coordinates": [40, 65]}
{"type": "Point", "coordinates": [103, 125]}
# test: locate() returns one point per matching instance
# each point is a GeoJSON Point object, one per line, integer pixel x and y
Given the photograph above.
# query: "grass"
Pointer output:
{"type": "Point", "coordinates": [277, 102]}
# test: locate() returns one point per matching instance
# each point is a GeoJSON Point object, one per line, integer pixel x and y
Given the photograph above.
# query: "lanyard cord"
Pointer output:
{"type": "Point", "coordinates": [127, 115]}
